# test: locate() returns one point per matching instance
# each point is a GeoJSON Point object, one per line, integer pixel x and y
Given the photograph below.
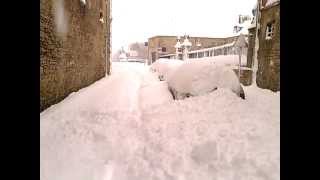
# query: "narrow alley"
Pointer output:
{"type": "Point", "coordinates": [126, 126]}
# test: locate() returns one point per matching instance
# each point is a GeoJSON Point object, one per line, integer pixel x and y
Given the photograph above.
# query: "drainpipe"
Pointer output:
{"type": "Point", "coordinates": [255, 58]}
{"type": "Point", "coordinates": [239, 68]}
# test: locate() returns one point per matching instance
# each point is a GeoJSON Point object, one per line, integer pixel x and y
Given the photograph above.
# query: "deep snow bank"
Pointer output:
{"type": "Point", "coordinates": [155, 94]}
{"type": "Point", "coordinates": [100, 133]}
{"type": "Point", "coordinates": [216, 136]}
{"type": "Point", "coordinates": [165, 67]}
{"type": "Point", "coordinates": [201, 77]}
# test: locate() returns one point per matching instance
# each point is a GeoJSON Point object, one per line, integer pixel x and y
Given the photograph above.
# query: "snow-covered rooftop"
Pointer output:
{"type": "Point", "coordinates": [178, 45]}
{"type": "Point", "coordinates": [245, 26]}
{"type": "Point", "coordinates": [186, 42]}
{"type": "Point", "coordinates": [271, 2]}
{"type": "Point", "coordinates": [253, 25]}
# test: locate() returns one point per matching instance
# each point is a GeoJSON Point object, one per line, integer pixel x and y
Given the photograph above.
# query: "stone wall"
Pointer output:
{"type": "Point", "coordinates": [73, 47]}
{"type": "Point", "coordinates": [268, 75]}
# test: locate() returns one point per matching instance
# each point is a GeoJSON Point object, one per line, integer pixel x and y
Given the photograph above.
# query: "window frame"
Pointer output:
{"type": "Point", "coordinates": [270, 30]}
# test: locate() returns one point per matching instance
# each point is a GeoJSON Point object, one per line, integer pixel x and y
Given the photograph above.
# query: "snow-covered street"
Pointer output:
{"type": "Point", "coordinates": [127, 126]}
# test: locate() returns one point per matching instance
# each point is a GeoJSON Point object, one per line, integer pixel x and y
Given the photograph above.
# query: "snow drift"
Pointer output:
{"type": "Point", "coordinates": [165, 67]}
{"type": "Point", "coordinates": [154, 94]}
{"type": "Point", "coordinates": [100, 133]}
{"type": "Point", "coordinates": [195, 78]}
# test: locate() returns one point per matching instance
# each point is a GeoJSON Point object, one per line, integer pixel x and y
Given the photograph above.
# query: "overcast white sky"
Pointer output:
{"type": "Point", "coordinates": [137, 20]}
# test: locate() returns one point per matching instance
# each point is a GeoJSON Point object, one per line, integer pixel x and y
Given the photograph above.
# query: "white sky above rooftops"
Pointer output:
{"type": "Point", "coordinates": [138, 20]}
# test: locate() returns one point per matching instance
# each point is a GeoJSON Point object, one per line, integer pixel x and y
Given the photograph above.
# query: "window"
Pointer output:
{"type": "Point", "coordinates": [101, 17]}
{"type": "Point", "coordinates": [164, 49]}
{"type": "Point", "coordinates": [269, 31]}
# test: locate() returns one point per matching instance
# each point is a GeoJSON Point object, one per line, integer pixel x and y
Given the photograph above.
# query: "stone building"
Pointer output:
{"type": "Point", "coordinates": [138, 50]}
{"type": "Point", "coordinates": [74, 46]}
{"type": "Point", "coordinates": [268, 55]}
{"type": "Point", "coordinates": [162, 46]}
{"type": "Point", "coordinates": [269, 47]}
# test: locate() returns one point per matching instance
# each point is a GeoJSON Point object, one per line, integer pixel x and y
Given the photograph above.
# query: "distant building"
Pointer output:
{"type": "Point", "coordinates": [123, 57]}
{"type": "Point", "coordinates": [133, 54]}
{"type": "Point", "coordinates": [164, 46]}
{"type": "Point", "coordinates": [138, 51]}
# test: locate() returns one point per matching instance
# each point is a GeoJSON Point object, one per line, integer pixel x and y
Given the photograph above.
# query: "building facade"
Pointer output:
{"type": "Point", "coordinates": [164, 46]}
{"type": "Point", "coordinates": [268, 54]}
{"type": "Point", "coordinates": [268, 75]}
{"type": "Point", "coordinates": [74, 46]}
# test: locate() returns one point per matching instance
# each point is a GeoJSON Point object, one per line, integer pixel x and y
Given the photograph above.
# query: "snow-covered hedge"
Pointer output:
{"type": "Point", "coordinates": [195, 78]}
{"type": "Point", "coordinates": [165, 67]}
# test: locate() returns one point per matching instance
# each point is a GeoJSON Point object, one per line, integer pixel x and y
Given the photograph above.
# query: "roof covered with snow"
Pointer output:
{"type": "Point", "coordinates": [245, 26]}
{"type": "Point", "coordinates": [270, 3]}
{"type": "Point", "coordinates": [253, 25]}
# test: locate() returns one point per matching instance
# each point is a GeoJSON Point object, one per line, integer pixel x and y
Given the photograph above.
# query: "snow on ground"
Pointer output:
{"type": "Point", "coordinates": [165, 67]}
{"type": "Point", "coordinates": [126, 127]}
{"type": "Point", "coordinates": [155, 94]}
{"type": "Point", "coordinates": [217, 136]}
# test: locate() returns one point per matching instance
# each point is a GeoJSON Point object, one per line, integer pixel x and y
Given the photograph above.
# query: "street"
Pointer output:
{"type": "Point", "coordinates": [127, 126]}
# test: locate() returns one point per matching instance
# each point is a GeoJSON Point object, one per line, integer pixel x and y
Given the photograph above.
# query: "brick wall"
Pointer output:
{"type": "Point", "coordinates": [268, 75]}
{"type": "Point", "coordinates": [73, 47]}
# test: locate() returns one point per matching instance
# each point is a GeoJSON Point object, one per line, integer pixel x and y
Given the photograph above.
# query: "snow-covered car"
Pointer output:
{"type": "Point", "coordinates": [165, 67]}
{"type": "Point", "coordinates": [199, 77]}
